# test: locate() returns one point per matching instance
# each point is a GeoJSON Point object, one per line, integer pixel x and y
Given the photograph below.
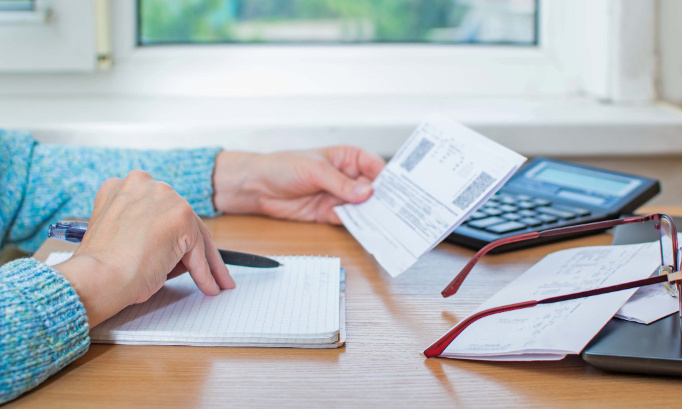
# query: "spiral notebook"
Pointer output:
{"type": "Point", "coordinates": [300, 304]}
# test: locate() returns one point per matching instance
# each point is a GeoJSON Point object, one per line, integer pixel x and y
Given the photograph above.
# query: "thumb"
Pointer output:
{"type": "Point", "coordinates": [331, 180]}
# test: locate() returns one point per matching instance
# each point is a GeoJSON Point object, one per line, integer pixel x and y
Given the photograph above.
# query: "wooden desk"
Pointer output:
{"type": "Point", "coordinates": [389, 323]}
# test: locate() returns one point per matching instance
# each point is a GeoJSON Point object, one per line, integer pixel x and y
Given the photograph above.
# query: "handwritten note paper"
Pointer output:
{"type": "Point", "coordinates": [551, 331]}
{"type": "Point", "coordinates": [649, 304]}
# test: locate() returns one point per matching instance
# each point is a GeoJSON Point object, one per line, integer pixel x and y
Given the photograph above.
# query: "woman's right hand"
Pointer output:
{"type": "Point", "coordinates": [141, 233]}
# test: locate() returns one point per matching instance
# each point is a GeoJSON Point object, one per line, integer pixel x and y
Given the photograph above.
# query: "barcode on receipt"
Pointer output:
{"type": "Point", "coordinates": [474, 190]}
{"type": "Point", "coordinates": [417, 155]}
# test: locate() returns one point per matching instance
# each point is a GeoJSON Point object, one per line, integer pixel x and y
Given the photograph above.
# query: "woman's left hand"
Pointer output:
{"type": "Point", "coordinates": [297, 185]}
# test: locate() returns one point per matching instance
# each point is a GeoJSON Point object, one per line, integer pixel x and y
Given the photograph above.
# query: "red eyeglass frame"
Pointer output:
{"type": "Point", "coordinates": [454, 285]}
{"type": "Point", "coordinates": [673, 275]}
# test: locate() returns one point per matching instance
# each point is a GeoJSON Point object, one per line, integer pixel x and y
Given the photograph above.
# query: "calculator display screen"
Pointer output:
{"type": "Point", "coordinates": [578, 178]}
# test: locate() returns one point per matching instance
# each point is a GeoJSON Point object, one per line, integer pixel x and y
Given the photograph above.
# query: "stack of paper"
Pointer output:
{"type": "Point", "coordinates": [552, 331]}
{"type": "Point", "coordinates": [299, 304]}
{"type": "Point", "coordinates": [649, 304]}
{"type": "Point", "coordinates": [438, 178]}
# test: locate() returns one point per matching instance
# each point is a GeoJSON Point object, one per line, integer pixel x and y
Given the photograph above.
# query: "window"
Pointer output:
{"type": "Point", "coordinates": [288, 91]}
{"type": "Point", "coordinates": [602, 49]}
{"type": "Point", "coordinates": [22, 5]}
{"type": "Point", "coordinates": [337, 21]}
{"type": "Point", "coordinates": [494, 58]}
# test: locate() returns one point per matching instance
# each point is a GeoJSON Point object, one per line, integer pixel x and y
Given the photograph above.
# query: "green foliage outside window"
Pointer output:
{"type": "Point", "coordinates": [350, 21]}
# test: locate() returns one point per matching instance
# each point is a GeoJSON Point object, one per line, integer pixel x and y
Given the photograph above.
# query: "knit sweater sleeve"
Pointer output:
{"type": "Point", "coordinates": [62, 181]}
{"type": "Point", "coordinates": [43, 326]}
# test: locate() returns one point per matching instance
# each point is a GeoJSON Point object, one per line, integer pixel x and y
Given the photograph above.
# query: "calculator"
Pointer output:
{"type": "Point", "coordinates": [546, 194]}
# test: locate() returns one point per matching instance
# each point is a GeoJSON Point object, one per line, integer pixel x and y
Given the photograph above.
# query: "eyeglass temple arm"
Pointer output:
{"type": "Point", "coordinates": [439, 346]}
{"type": "Point", "coordinates": [459, 279]}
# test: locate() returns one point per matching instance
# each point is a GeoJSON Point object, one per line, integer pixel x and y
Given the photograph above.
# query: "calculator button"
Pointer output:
{"type": "Point", "coordinates": [526, 204]}
{"type": "Point", "coordinates": [541, 202]}
{"type": "Point", "coordinates": [506, 199]}
{"type": "Point", "coordinates": [546, 218]}
{"type": "Point", "coordinates": [530, 221]}
{"type": "Point", "coordinates": [477, 215]}
{"type": "Point", "coordinates": [483, 223]}
{"type": "Point", "coordinates": [492, 211]}
{"type": "Point", "coordinates": [508, 208]}
{"type": "Point", "coordinates": [511, 216]}
{"type": "Point", "coordinates": [527, 213]}
{"type": "Point", "coordinates": [524, 197]}
{"type": "Point", "coordinates": [576, 210]}
{"type": "Point", "coordinates": [553, 211]}
{"type": "Point", "coordinates": [506, 227]}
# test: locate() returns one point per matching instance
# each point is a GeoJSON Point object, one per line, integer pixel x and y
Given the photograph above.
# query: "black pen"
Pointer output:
{"type": "Point", "coordinates": [73, 232]}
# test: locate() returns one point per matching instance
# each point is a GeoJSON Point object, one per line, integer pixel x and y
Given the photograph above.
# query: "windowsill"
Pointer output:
{"type": "Point", "coordinates": [575, 126]}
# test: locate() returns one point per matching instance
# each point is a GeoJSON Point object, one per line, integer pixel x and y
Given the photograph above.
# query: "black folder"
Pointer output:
{"type": "Point", "coordinates": [624, 346]}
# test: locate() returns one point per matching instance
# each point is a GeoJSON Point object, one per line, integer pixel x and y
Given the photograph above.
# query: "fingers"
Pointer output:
{"type": "Point", "coordinates": [179, 269]}
{"type": "Point", "coordinates": [218, 268]}
{"type": "Point", "coordinates": [198, 253]}
{"type": "Point", "coordinates": [328, 203]}
{"type": "Point", "coordinates": [333, 218]}
{"type": "Point", "coordinates": [141, 233]}
{"type": "Point", "coordinates": [195, 260]}
{"type": "Point", "coordinates": [330, 179]}
{"type": "Point", "coordinates": [202, 260]}
{"type": "Point", "coordinates": [330, 215]}
{"type": "Point", "coordinates": [348, 173]}
{"type": "Point", "coordinates": [354, 161]}
{"type": "Point", "coordinates": [370, 164]}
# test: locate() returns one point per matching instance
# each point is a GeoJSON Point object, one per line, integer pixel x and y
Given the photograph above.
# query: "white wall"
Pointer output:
{"type": "Point", "coordinates": [670, 51]}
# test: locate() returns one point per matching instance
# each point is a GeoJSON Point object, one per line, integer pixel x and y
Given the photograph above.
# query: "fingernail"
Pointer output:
{"type": "Point", "coordinates": [363, 190]}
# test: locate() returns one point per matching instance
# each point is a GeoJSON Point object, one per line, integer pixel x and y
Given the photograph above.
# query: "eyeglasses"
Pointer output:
{"type": "Point", "coordinates": [668, 272]}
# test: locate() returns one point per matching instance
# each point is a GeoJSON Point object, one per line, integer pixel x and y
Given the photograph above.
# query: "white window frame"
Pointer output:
{"type": "Point", "coordinates": [261, 70]}
{"type": "Point", "coordinates": [669, 53]}
{"type": "Point", "coordinates": [551, 69]}
{"type": "Point", "coordinates": [58, 36]}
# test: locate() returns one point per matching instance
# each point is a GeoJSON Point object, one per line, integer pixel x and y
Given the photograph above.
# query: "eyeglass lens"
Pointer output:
{"type": "Point", "coordinates": [668, 251]}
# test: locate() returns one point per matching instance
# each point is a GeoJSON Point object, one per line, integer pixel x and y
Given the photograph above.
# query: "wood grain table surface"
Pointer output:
{"type": "Point", "coordinates": [389, 323]}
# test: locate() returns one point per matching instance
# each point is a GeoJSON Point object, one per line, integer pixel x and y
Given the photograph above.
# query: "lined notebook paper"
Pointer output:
{"type": "Point", "coordinates": [299, 304]}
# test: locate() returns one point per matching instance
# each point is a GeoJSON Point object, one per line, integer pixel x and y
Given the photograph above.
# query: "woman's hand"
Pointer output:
{"type": "Point", "coordinates": [141, 233]}
{"type": "Point", "coordinates": [296, 185]}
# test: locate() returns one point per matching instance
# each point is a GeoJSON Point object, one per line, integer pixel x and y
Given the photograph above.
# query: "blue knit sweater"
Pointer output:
{"type": "Point", "coordinates": [43, 326]}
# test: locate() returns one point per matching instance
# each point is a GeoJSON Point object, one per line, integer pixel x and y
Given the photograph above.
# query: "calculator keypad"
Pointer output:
{"type": "Point", "coordinates": [506, 213]}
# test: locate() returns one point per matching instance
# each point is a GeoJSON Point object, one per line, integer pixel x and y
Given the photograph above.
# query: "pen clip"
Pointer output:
{"type": "Point", "coordinates": [71, 231]}
{"type": "Point", "coordinates": [72, 225]}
